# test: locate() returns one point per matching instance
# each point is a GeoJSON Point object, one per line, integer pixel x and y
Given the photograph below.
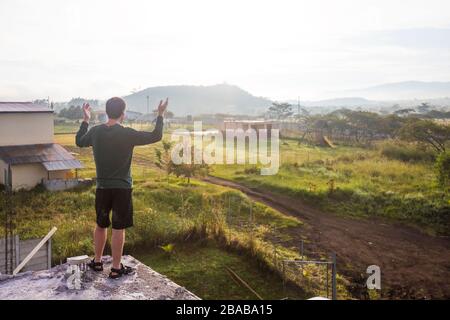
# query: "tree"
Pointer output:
{"type": "Point", "coordinates": [189, 170]}
{"type": "Point", "coordinates": [363, 124]}
{"type": "Point", "coordinates": [391, 124]}
{"type": "Point", "coordinates": [41, 101]}
{"type": "Point", "coordinates": [163, 158]}
{"type": "Point", "coordinates": [79, 102]}
{"type": "Point", "coordinates": [427, 132]}
{"type": "Point", "coordinates": [72, 113]}
{"type": "Point", "coordinates": [424, 107]}
{"type": "Point", "coordinates": [280, 110]}
{"type": "Point", "coordinates": [404, 112]}
{"type": "Point", "coordinates": [436, 114]}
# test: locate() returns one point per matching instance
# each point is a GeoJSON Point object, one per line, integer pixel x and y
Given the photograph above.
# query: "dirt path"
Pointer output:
{"type": "Point", "coordinates": [413, 265]}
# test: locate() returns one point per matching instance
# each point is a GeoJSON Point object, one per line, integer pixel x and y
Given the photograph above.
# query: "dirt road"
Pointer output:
{"type": "Point", "coordinates": [413, 265]}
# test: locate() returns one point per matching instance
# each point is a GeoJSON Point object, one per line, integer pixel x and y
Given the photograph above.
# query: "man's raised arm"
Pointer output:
{"type": "Point", "coordinates": [139, 138]}
{"type": "Point", "coordinates": [84, 137]}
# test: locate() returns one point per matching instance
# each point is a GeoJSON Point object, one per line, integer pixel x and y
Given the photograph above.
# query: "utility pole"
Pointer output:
{"type": "Point", "coordinates": [298, 105]}
{"type": "Point", "coordinates": [148, 104]}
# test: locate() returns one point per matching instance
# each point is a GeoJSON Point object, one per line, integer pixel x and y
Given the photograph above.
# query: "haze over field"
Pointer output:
{"type": "Point", "coordinates": [280, 50]}
{"type": "Point", "coordinates": [231, 99]}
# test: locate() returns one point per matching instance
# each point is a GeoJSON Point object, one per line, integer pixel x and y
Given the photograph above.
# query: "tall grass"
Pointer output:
{"type": "Point", "coordinates": [388, 180]}
{"type": "Point", "coordinates": [406, 152]}
{"type": "Point", "coordinates": [165, 213]}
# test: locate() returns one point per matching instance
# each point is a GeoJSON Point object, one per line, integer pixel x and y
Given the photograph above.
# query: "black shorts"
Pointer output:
{"type": "Point", "coordinates": [120, 201]}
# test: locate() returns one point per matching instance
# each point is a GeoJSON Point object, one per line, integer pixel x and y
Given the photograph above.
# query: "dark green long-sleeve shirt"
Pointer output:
{"type": "Point", "coordinates": [113, 150]}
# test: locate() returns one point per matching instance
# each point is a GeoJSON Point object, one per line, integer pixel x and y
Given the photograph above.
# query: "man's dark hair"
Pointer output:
{"type": "Point", "coordinates": [115, 107]}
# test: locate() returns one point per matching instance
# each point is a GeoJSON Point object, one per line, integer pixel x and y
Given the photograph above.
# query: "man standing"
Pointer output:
{"type": "Point", "coordinates": [113, 147]}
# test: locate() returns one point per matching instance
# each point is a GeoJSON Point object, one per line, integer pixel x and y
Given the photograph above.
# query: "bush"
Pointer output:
{"type": "Point", "coordinates": [443, 170]}
{"type": "Point", "coordinates": [252, 170]}
{"type": "Point", "coordinates": [406, 152]}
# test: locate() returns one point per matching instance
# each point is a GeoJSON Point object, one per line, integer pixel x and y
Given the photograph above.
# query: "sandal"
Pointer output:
{"type": "Point", "coordinates": [120, 272]}
{"type": "Point", "coordinates": [96, 266]}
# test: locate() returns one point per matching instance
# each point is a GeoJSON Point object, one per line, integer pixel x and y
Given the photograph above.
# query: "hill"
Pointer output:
{"type": "Point", "coordinates": [190, 100]}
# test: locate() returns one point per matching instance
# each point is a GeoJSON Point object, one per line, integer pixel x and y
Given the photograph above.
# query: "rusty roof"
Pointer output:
{"type": "Point", "coordinates": [23, 107]}
{"type": "Point", "coordinates": [51, 155]}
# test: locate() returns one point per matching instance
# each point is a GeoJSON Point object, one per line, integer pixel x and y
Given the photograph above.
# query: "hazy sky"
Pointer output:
{"type": "Point", "coordinates": [278, 49]}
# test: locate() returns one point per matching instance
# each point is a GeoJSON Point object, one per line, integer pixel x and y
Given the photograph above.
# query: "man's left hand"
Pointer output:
{"type": "Point", "coordinates": [162, 107]}
{"type": "Point", "coordinates": [86, 112]}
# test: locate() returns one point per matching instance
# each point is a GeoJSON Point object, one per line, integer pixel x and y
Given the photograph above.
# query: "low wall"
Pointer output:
{"type": "Point", "coordinates": [60, 185]}
{"type": "Point", "coordinates": [20, 249]}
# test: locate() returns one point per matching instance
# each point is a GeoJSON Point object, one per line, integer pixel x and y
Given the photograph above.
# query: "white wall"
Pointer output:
{"type": "Point", "coordinates": [27, 176]}
{"type": "Point", "coordinates": [25, 128]}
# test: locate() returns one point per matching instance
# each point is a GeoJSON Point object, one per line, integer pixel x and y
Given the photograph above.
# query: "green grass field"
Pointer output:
{"type": "Point", "coordinates": [213, 226]}
{"type": "Point", "coordinates": [203, 268]}
{"type": "Point", "coordinates": [66, 128]}
{"type": "Point", "coordinates": [353, 181]}
{"type": "Point", "coordinates": [208, 226]}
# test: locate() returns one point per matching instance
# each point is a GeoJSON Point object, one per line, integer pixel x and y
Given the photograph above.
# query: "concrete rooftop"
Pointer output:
{"type": "Point", "coordinates": [144, 284]}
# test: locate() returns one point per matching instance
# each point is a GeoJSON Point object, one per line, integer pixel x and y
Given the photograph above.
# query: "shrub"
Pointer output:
{"type": "Point", "coordinates": [406, 152]}
{"type": "Point", "coordinates": [443, 170]}
{"type": "Point", "coordinates": [252, 170]}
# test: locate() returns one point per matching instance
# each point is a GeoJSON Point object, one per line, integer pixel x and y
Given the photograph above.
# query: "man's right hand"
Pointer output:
{"type": "Point", "coordinates": [162, 107]}
{"type": "Point", "coordinates": [86, 112]}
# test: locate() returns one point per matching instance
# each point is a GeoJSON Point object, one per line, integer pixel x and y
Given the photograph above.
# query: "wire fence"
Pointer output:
{"type": "Point", "coordinates": [314, 272]}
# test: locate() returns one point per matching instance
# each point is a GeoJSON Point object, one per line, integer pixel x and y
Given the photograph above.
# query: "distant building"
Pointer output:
{"type": "Point", "coordinates": [28, 154]}
{"type": "Point", "coordinates": [101, 116]}
{"type": "Point", "coordinates": [147, 117]}
{"type": "Point", "coordinates": [132, 115]}
{"type": "Point", "coordinates": [249, 124]}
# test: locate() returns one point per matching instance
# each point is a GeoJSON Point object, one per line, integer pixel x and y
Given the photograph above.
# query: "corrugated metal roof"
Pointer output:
{"type": "Point", "coordinates": [21, 107]}
{"type": "Point", "coordinates": [62, 165]}
{"type": "Point", "coordinates": [51, 155]}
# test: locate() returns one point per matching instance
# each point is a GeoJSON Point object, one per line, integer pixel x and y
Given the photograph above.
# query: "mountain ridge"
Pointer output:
{"type": "Point", "coordinates": [189, 99]}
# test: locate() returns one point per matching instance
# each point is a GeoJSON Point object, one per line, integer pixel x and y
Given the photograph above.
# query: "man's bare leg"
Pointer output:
{"type": "Point", "coordinates": [117, 241]}
{"type": "Point", "coordinates": [100, 235]}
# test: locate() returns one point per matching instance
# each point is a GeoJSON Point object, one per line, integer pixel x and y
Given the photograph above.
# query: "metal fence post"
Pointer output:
{"type": "Point", "coordinates": [334, 293]}
{"type": "Point", "coordinates": [284, 277]}
{"type": "Point", "coordinates": [328, 290]}
{"type": "Point", "coordinates": [302, 252]}
{"type": "Point", "coordinates": [49, 253]}
{"type": "Point", "coordinates": [17, 248]}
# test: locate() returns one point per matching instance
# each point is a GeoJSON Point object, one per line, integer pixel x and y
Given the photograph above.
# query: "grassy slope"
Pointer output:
{"type": "Point", "coordinates": [364, 183]}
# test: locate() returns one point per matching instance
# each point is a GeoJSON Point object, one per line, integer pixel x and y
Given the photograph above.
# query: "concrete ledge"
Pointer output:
{"type": "Point", "coordinates": [60, 185]}
{"type": "Point", "coordinates": [144, 284]}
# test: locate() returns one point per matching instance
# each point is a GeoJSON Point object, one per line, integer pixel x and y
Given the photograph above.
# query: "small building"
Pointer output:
{"type": "Point", "coordinates": [249, 124]}
{"type": "Point", "coordinates": [101, 116]}
{"type": "Point", "coordinates": [132, 115]}
{"type": "Point", "coordinates": [245, 125]}
{"type": "Point", "coordinates": [28, 154]}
